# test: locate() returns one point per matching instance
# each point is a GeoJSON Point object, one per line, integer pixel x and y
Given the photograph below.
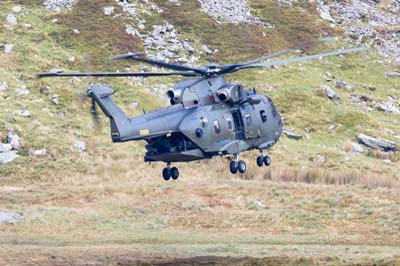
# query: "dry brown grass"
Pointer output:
{"type": "Point", "coordinates": [331, 177]}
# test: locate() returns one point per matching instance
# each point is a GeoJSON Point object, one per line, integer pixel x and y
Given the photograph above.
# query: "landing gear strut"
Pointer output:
{"type": "Point", "coordinates": [235, 165]}
{"type": "Point", "coordinates": [169, 173]}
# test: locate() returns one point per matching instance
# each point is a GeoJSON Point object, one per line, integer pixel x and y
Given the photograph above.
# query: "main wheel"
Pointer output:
{"type": "Point", "coordinates": [166, 173]}
{"type": "Point", "coordinates": [267, 160]}
{"type": "Point", "coordinates": [174, 173]}
{"type": "Point", "coordinates": [233, 167]}
{"type": "Point", "coordinates": [260, 161]}
{"type": "Point", "coordinates": [242, 167]}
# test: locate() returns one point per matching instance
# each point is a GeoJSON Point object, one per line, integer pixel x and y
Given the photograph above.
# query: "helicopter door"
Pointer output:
{"type": "Point", "coordinates": [239, 126]}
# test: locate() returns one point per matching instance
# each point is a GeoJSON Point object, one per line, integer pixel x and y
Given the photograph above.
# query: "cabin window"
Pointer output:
{"type": "Point", "coordinates": [263, 116]}
{"type": "Point", "coordinates": [229, 124]}
{"type": "Point", "coordinates": [217, 127]}
{"type": "Point", "coordinates": [249, 122]}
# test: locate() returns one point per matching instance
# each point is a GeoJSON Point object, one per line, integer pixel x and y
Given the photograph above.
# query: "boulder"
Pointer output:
{"type": "Point", "coordinates": [80, 145]}
{"type": "Point", "coordinates": [55, 99]}
{"type": "Point", "coordinates": [6, 157]}
{"type": "Point", "coordinates": [341, 84]}
{"type": "Point", "coordinates": [330, 93]}
{"type": "Point", "coordinates": [10, 217]}
{"type": "Point", "coordinates": [108, 10]}
{"type": "Point", "coordinates": [292, 135]}
{"type": "Point", "coordinates": [11, 19]}
{"type": "Point", "coordinates": [3, 86]}
{"type": "Point", "coordinates": [387, 107]}
{"type": "Point", "coordinates": [8, 48]}
{"type": "Point", "coordinates": [324, 12]}
{"type": "Point", "coordinates": [23, 113]}
{"type": "Point", "coordinates": [14, 140]}
{"type": "Point", "coordinates": [356, 148]}
{"type": "Point", "coordinates": [17, 9]}
{"type": "Point", "coordinates": [376, 143]}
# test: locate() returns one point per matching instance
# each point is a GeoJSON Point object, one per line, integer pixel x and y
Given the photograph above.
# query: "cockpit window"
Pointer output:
{"type": "Point", "coordinates": [217, 127]}
{"type": "Point", "coordinates": [229, 124]}
{"type": "Point", "coordinates": [263, 116]}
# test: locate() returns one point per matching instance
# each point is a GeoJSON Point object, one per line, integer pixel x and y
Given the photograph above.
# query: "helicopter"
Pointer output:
{"type": "Point", "coordinates": [207, 116]}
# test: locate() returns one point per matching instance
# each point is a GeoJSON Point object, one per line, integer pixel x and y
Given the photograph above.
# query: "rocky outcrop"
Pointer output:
{"type": "Point", "coordinates": [292, 135]}
{"type": "Point", "coordinates": [10, 217]}
{"type": "Point", "coordinates": [330, 93]}
{"type": "Point", "coordinates": [230, 11]}
{"type": "Point", "coordinates": [376, 143]}
{"type": "Point", "coordinates": [59, 4]}
{"type": "Point", "coordinates": [365, 23]}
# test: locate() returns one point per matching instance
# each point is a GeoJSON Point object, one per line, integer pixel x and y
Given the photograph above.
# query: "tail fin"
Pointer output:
{"type": "Point", "coordinates": [121, 126]}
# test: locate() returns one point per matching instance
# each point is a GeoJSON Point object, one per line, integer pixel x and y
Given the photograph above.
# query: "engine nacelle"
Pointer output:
{"type": "Point", "coordinates": [224, 95]}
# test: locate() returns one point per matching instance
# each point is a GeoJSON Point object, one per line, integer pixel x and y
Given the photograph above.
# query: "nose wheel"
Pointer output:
{"type": "Point", "coordinates": [169, 173]}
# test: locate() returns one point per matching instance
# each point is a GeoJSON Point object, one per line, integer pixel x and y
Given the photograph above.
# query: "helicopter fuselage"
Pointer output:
{"type": "Point", "coordinates": [207, 118]}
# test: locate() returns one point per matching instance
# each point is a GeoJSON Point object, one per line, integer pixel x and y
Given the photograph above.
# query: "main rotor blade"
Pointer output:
{"type": "Point", "coordinates": [158, 63]}
{"type": "Point", "coordinates": [117, 74]}
{"type": "Point", "coordinates": [290, 50]}
{"type": "Point", "coordinates": [303, 58]}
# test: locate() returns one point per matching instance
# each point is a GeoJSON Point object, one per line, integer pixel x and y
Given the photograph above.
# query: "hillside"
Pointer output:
{"type": "Point", "coordinates": [325, 199]}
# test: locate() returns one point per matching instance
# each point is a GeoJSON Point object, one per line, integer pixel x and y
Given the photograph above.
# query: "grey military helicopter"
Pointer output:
{"type": "Point", "coordinates": [207, 117]}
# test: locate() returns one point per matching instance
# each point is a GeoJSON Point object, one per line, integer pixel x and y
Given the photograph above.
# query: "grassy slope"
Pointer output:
{"type": "Point", "coordinates": [107, 196]}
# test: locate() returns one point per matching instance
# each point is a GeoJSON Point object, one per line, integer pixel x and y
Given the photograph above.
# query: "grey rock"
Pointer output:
{"type": "Point", "coordinates": [320, 158]}
{"type": "Point", "coordinates": [330, 93]}
{"type": "Point", "coordinates": [55, 99]}
{"type": "Point", "coordinates": [3, 86]}
{"type": "Point", "coordinates": [22, 91]}
{"type": "Point", "coordinates": [10, 217]}
{"type": "Point", "coordinates": [231, 11]}
{"type": "Point", "coordinates": [71, 59]}
{"type": "Point", "coordinates": [40, 153]}
{"type": "Point", "coordinates": [76, 31]}
{"type": "Point", "coordinates": [324, 11]}
{"type": "Point", "coordinates": [11, 19]}
{"type": "Point", "coordinates": [27, 26]}
{"type": "Point", "coordinates": [387, 107]}
{"type": "Point", "coordinates": [56, 70]}
{"type": "Point", "coordinates": [17, 9]}
{"type": "Point", "coordinates": [206, 49]}
{"type": "Point", "coordinates": [108, 10]}
{"type": "Point", "coordinates": [376, 143]}
{"type": "Point", "coordinates": [188, 47]}
{"type": "Point", "coordinates": [80, 145]}
{"type": "Point", "coordinates": [8, 48]}
{"type": "Point", "coordinates": [5, 147]}
{"type": "Point", "coordinates": [356, 148]}
{"type": "Point", "coordinates": [7, 157]}
{"type": "Point", "coordinates": [59, 4]}
{"type": "Point", "coordinates": [23, 113]}
{"type": "Point", "coordinates": [14, 140]}
{"type": "Point", "coordinates": [341, 84]}
{"type": "Point", "coordinates": [392, 74]}
{"type": "Point", "coordinates": [292, 135]}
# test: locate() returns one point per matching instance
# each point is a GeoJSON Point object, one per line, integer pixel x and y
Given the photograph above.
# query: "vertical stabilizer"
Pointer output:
{"type": "Point", "coordinates": [121, 126]}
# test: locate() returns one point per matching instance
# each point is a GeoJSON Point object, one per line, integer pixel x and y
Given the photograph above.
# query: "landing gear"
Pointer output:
{"type": "Point", "coordinates": [169, 173]}
{"type": "Point", "coordinates": [242, 167]}
{"type": "Point", "coordinates": [235, 165]}
{"type": "Point", "coordinates": [263, 160]}
{"type": "Point", "coordinates": [267, 160]}
{"type": "Point", "coordinates": [260, 161]}
{"type": "Point", "coordinates": [166, 173]}
{"type": "Point", "coordinates": [174, 173]}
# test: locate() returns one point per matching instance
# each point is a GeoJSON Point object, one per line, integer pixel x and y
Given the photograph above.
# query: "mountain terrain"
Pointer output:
{"type": "Point", "coordinates": [68, 196]}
